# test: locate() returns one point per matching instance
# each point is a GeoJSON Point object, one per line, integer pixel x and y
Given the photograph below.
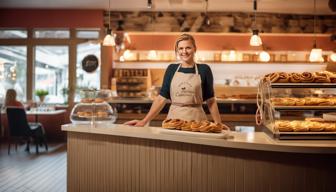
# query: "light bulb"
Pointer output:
{"type": "Point", "coordinates": [127, 54]}
{"type": "Point", "coordinates": [264, 56]}
{"type": "Point", "coordinates": [152, 55]}
{"type": "Point", "coordinates": [232, 55]}
{"type": "Point", "coordinates": [255, 39]}
{"type": "Point", "coordinates": [316, 55]}
{"type": "Point", "coordinates": [333, 57]}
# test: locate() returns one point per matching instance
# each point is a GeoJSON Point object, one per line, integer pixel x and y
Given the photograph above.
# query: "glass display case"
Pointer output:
{"type": "Point", "coordinates": [295, 109]}
{"type": "Point", "coordinates": [93, 108]}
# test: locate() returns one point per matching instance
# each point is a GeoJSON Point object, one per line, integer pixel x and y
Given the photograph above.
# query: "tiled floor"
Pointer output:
{"type": "Point", "coordinates": [22, 171]}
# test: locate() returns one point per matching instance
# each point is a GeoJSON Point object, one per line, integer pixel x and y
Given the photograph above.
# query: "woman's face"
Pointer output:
{"type": "Point", "coordinates": [186, 51]}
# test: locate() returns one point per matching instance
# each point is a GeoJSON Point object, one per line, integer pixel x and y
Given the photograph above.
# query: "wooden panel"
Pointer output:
{"type": "Point", "coordinates": [112, 163]}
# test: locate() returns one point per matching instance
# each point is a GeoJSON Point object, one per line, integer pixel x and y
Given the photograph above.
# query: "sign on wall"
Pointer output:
{"type": "Point", "coordinates": [90, 63]}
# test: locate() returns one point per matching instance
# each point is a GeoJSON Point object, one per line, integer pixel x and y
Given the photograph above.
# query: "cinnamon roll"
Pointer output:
{"type": "Point", "coordinates": [283, 78]}
{"type": "Point", "coordinates": [295, 78]}
{"type": "Point", "coordinates": [307, 77]}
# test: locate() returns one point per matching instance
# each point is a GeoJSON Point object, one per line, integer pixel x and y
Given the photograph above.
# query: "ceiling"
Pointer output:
{"type": "Point", "coordinates": [271, 6]}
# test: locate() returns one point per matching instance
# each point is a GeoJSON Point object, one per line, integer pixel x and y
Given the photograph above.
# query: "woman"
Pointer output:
{"type": "Point", "coordinates": [37, 129]}
{"type": "Point", "coordinates": [187, 85]}
{"type": "Point", "coordinates": [10, 100]}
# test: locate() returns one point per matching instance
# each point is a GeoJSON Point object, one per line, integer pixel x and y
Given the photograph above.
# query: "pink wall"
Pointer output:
{"type": "Point", "coordinates": [51, 18]}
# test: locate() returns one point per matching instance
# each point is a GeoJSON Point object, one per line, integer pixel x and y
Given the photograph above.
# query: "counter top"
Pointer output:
{"type": "Point", "coordinates": [147, 100]}
{"type": "Point", "coordinates": [250, 141]}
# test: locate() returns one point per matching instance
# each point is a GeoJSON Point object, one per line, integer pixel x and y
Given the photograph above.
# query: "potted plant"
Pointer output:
{"type": "Point", "coordinates": [41, 93]}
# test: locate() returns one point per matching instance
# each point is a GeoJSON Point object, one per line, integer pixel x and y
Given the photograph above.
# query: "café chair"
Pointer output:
{"type": "Point", "coordinates": [22, 131]}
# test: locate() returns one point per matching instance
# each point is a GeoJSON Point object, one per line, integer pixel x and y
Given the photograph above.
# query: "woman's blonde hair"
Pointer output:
{"type": "Point", "coordinates": [10, 96]}
{"type": "Point", "coordinates": [185, 37]}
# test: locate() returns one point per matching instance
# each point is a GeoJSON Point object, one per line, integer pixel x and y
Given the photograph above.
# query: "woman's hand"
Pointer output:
{"type": "Point", "coordinates": [136, 123]}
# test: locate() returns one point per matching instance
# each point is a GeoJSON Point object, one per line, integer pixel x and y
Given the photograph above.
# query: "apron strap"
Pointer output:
{"type": "Point", "coordinates": [196, 69]}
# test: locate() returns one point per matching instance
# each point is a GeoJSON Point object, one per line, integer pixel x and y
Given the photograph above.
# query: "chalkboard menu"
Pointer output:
{"type": "Point", "coordinates": [90, 63]}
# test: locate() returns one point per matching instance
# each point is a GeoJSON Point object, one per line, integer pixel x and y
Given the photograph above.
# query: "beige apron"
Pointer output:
{"type": "Point", "coordinates": [186, 96]}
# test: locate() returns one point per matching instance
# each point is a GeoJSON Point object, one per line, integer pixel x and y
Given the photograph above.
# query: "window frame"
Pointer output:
{"type": "Point", "coordinates": [30, 42]}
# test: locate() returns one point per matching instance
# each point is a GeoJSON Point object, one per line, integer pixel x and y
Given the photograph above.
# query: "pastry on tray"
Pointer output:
{"type": "Point", "coordinates": [204, 126]}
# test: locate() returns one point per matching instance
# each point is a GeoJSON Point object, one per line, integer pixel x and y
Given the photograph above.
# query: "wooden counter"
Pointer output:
{"type": "Point", "coordinates": [123, 158]}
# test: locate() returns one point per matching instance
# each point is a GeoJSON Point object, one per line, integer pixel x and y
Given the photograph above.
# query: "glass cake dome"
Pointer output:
{"type": "Point", "coordinates": [93, 108]}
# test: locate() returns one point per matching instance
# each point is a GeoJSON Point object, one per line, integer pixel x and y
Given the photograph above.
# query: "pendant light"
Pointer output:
{"type": "Point", "coordinates": [255, 38]}
{"type": "Point", "coordinates": [149, 4]}
{"type": "Point", "coordinates": [109, 38]}
{"type": "Point", "coordinates": [206, 16]}
{"type": "Point", "coordinates": [315, 53]}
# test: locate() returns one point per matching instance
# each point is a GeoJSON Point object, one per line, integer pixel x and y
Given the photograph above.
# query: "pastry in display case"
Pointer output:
{"type": "Point", "coordinates": [298, 105]}
{"type": "Point", "coordinates": [94, 109]}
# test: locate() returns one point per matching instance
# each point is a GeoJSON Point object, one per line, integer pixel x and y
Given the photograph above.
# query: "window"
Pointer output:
{"type": "Point", "coordinates": [13, 71]}
{"type": "Point", "coordinates": [87, 34]}
{"type": "Point", "coordinates": [57, 34]}
{"type": "Point", "coordinates": [51, 72]}
{"type": "Point", "coordinates": [86, 80]}
{"type": "Point", "coordinates": [45, 64]}
{"type": "Point", "coordinates": [13, 34]}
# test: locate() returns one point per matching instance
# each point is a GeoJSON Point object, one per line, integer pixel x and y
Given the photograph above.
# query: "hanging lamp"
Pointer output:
{"type": "Point", "coordinates": [315, 53]}
{"type": "Point", "coordinates": [109, 38]}
{"type": "Point", "coordinates": [255, 39]}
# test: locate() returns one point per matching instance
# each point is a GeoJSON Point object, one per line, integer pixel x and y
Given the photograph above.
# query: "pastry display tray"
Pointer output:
{"type": "Point", "coordinates": [303, 85]}
{"type": "Point", "coordinates": [302, 135]}
{"type": "Point", "coordinates": [296, 108]}
{"type": "Point", "coordinates": [222, 135]}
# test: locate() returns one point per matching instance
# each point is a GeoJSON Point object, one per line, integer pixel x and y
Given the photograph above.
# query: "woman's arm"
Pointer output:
{"type": "Point", "coordinates": [158, 104]}
{"type": "Point", "coordinates": [213, 108]}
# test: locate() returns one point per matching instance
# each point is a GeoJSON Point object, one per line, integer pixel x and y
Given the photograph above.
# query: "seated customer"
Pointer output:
{"type": "Point", "coordinates": [10, 100]}
{"type": "Point", "coordinates": [36, 128]}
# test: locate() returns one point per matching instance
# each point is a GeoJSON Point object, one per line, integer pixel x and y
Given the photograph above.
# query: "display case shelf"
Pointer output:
{"type": "Point", "coordinates": [299, 127]}
{"type": "Point", "coordinates": [303, 85]}
{"type": "Point", "coordinates": [303, 108]}
{"type": "Point", "coordinates": [300, 135]}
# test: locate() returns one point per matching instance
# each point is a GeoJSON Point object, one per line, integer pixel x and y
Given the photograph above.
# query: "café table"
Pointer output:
{"type": "Point", "coordinates": [36, 113]}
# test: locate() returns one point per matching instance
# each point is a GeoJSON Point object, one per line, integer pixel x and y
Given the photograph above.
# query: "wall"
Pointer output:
{"type": "Point", "coordinates": [29, 18]}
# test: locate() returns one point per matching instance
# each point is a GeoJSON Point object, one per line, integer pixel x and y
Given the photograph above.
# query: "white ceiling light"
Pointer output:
{"type": "Point", "coordinates": [109, 38]}
{"type": "Point", "coordinates": [255, 38]}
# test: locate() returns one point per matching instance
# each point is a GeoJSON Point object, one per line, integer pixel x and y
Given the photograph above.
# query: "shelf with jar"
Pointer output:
{"type": "Point", "coordinates": [232, 56]}
{"type": "Point", "coordinates": [131, 83]}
